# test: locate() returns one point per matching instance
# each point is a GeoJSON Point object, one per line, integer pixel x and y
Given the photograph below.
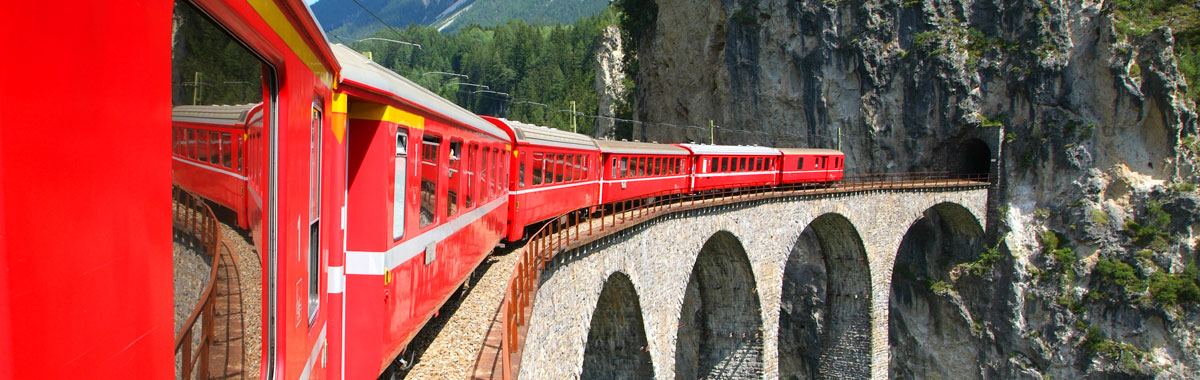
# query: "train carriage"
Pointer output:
{"type": "Point", "coordinates": [722, 166]}
{"type": "Point", "coordinates": [209, 153]}
{"type": "Point", "coordinates": [555, 172]}
{"type": "Point", "coordinates": [427, 201]}
{"type": "Point", "coordinates": [636, 170]}
{"type": "Point", "coordinates": [810, 165]}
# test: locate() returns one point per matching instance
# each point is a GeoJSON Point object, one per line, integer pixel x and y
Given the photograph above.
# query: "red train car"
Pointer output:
{"type": "Point", "coordinates": [269, 52]}
{"type": "Point", "coordinates": [209, 152]}
{"type": "Point", "coordinates": [555, 173]}
{"type": "Point", "coordinates": [427, 201]}
{"type": "Point", "coordinates": [637, 170]}
{"type": "Point", "coordinates": [810, 165]}
{"type": "Point", "coordinates": [720, 166]}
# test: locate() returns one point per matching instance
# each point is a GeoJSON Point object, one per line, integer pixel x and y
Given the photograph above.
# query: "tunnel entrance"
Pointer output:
{"type": "Point", "coordinates": [930, 332]}
{"type": "Point", "coordinates": [720, 324]}
{"type": "Point", "coordinates": [616, 343]}
{"type": "Point", "coordinates": [972, 157]}
{"type": "Point", "coordinates": [825, 305]}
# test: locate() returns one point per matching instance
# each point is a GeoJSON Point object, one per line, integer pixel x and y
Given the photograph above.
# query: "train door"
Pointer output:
{"type": "Point", "coordinates": [222, 267]}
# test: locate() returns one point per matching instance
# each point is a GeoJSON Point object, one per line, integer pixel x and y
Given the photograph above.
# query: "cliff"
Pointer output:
{"type": "Point", "coordinates": [1088, 130]}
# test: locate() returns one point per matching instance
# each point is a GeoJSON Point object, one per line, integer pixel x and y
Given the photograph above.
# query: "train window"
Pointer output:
{"type": "Point", "coordinates": [538, 168]}
{"type": "Point", "coordinates": [484, 172]}
{"type": "Point", "coordinates": [559, 168]}
{"type": "Point", "coordinates": [744, 164]}
{"type": "Point", "coordinates": [226, 150]}
{"type": "Point", "coordinates": [569, 166]}
{"type": "Point", "coordinates": [800, 163]}
{"type": "Point", "coordinates": [428, 173]}
{"type": "Point", "coordinates": [471, 156]}
{"type": "Point", "coordinates": [497, 166]}
{"type": "Point", "coordinates": [714, 166]}
{"type": "Point", "coordinates": [584, 167]}
{"type": "Point", "coordinates": [314, 209]}
{"type": "Point", "coordinates": [624, 167]}
{"type": "Point", "coordinates": [452, 177]}
{"type": "Point", "coordinates": [642, 166]}
{"type": "Point", "coordinates": [520, 169]}
{"type": "Point", "coordinates": [658, 166]}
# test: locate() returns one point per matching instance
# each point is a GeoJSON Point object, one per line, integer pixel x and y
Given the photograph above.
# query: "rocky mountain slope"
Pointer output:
{"type": "Point", "coordinates": [1089, 265]}
{"type": "Point", "coordinates": [346, 20]}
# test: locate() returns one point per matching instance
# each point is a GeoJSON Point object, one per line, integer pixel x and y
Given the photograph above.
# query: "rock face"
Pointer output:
{"type": "Point", "coordinates": [610, 79]}
{"type": "Point", "coordinates": [1085, 129]}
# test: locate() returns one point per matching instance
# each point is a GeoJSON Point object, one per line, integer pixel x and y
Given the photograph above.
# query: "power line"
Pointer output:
{"type": "Point", "coordinates": [377, 18]}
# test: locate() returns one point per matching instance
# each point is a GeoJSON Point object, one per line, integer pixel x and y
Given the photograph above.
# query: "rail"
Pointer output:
{"type": "Point", "coordinates": [574, 229]}
{"type": "Point", "coordinates": [193, 216]}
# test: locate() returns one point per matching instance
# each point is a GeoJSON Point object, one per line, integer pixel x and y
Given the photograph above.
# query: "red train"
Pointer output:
{"type": "Point", "coordinates": [368, 198]}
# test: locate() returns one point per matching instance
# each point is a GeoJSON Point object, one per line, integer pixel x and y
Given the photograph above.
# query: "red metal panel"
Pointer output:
{"type": "Point", "coordinates": [73, 211]}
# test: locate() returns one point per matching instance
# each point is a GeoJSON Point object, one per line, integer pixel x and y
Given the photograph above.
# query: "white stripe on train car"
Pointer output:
{"type": "Point", "coordinates": [556, 187]}
{"type": "Point", "coordinates": [378, 263]}
{"type": "Point", "coordinates": [210, 168]}
{"type": "Point", "coordinates": [707, 175]}
{"type": "Point", "coordinates": [312, 358]}
{"type": "Point", "coordinates": [643, 179]}
{"type": "Point", "coordinates": [337, 280]}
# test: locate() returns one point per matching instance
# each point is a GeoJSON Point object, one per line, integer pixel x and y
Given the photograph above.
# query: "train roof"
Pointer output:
{"type": "Point", "coordinates": [539, 135]}
{"type": "Point", "coordinates": [810, 151]}
{"type": "Point", "coordinates": [371, 76]}
{"type": "Point", "coordinates": [730, 150]}
{"type": "Point", "coordinates": [633, 147]}
{"type": "Point", "coordinates": [213, 114]}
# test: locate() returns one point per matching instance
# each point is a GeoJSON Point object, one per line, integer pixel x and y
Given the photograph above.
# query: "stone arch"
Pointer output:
{"type": "Point", "coordinates": [616, 342]}
{"type": "Point", "coordinates": [720, 323]}
{"type": "Point", "coordinates": [927, 278]}
{"type": "Point", "coordinates": [825, 304]}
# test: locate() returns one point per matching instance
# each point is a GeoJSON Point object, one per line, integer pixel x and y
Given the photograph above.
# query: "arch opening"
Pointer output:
{"type": "Point", "coordinates": [616, 343]}
{"type": "Point", "coordinates": [927, 281]}
{"type": "Point", "coordinates": [825, 304]}
{"type": "Point", "coordinates": [720, 324]}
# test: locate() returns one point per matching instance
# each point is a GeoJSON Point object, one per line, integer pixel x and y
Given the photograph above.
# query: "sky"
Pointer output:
{"type": "Point", "coordinates": [310, 2]}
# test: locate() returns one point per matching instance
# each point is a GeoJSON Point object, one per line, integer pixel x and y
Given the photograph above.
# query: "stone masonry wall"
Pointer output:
{"type": "Point", "coordinates": [658, 257]}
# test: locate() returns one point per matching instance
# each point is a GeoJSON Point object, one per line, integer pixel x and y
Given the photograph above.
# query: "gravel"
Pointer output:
{"type": "Point", "coordinates": [446, 348]}
{"type": "Point", "coordinates": [191, 273]}
{"type": "Point", "coordinates": [249, 270]}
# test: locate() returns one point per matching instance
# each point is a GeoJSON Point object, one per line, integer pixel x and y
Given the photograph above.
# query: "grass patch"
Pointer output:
{"type": "Point", "coordinates": [1175, 288]}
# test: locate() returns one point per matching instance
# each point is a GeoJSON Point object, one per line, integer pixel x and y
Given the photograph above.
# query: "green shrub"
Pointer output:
{"type": "Point", "coordinates": [941, 288]}
{"type": "Point", "coordinates": [1116, 272]}
{"type": "Point", "coordinates": [1153, 233]}
{"type": "Point", "coordinates": [1126, 355]}
{"type": "Point", "coordinates": [987, 259]}
{"type": "Point", "coordinates": [1175, 288]}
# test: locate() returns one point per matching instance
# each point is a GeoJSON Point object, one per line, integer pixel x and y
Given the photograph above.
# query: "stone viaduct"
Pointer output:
{"type": "Point", "coordinates": [794, 287]}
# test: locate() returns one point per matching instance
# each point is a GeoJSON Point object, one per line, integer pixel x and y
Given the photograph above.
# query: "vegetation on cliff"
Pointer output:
{"type": "Point", "coordinates": [1138, 17]}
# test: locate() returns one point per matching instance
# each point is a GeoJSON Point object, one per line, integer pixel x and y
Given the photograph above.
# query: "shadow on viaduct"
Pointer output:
{"type": "Point", "coordinates": [784, 288]}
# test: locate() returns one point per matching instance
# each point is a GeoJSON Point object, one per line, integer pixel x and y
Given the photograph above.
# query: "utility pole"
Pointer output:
{"type": "Point", "coordinates": [712, 135]}
{"type": "Point", "coordinates": [573, 128]}
{"type": "Point", "coordinates": [196, 88]}
{"type": "Point", "coordinates": [839, 141]}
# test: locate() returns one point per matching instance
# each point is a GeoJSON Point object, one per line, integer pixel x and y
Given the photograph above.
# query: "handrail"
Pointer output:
{"type": "Point", "coordinates": [192, 215]}
{"type": "Point", "coordinates": [564, 233]}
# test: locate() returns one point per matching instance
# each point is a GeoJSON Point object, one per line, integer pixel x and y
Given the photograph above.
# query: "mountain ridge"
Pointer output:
{"type": "Point", "coordinates": [345, 20]}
